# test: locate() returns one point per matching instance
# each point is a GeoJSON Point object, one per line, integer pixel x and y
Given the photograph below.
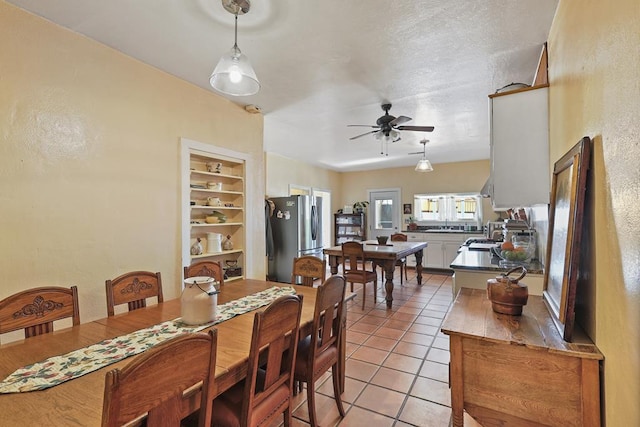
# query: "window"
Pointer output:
{"type": "Point", "coordinates": [449, 208]}
{"type": "Point", "coordinates": [384, 213]}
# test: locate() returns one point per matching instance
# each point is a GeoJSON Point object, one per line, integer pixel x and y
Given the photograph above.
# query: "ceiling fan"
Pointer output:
{"type": "Point", "coordinates": [387, 126]}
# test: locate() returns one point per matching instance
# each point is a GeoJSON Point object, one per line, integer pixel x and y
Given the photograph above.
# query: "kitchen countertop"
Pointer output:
{"type": "Point", "coordinates": [435, 230]}
{"type": "Point", "coordinates": [483, 260]}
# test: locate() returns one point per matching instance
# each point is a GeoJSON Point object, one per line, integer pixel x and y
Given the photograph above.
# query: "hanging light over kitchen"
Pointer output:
{"type": "Point", "coordinates": [424, 165]}
{"type": "Point", "coordinates": [234, 75]}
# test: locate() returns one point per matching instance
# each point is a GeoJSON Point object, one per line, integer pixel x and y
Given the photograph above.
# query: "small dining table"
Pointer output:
{"type": "Point", "coordinates": [384, 255]}
{"type": "Point", "coordinates": [78, 402]}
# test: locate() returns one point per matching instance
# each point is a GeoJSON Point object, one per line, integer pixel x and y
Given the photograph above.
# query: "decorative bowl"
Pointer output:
{"type": "Point", "coordinates": [382, 240]}
{"type": "Point", "coordinates": [518, 256]}
{"type": "Point", "coordinates": [215, 217]}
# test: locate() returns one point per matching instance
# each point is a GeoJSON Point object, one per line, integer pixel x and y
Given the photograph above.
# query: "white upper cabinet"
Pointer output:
{"type": "Point", "coordinates": [519, 148]}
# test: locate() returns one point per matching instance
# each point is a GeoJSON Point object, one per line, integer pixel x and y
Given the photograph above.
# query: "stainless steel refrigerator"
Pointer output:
{"type": "Point", "coordinates": [296, 227]}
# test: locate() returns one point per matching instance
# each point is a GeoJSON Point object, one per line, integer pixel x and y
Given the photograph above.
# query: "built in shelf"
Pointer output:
{"type": "Point", "coordinates": [222, 224]}
{"type": "Point", "coordinates": [211, 254]}
{"type": "Point", "coordinates": [232, 279]}
{"type": "Point", "coordinates": [237, 208]}
{"type": "Point", "coordinates": [206, 190]}
{"type": "Point", "coordinates": [212, 174]}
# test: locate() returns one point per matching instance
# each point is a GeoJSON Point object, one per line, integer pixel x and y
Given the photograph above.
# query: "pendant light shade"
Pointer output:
{"type": "Point", "coordinates": [234, 74]}
{"type": "Point", "coordinates": [424, 165]}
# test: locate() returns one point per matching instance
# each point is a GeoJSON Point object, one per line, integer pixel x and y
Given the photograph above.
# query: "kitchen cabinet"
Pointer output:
{"type": "Point", "coordinates": [441, 251]}
{"type": "Point", "coordinates": [519, 122]}
{"type": "Point", "coordinates": [348, 227]}
{"type": "Point", "coordinates": [216, 188]}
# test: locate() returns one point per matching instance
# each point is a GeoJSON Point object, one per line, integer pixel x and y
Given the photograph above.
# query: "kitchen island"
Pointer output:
{"type": "Point", "coordinates": [472, 269]}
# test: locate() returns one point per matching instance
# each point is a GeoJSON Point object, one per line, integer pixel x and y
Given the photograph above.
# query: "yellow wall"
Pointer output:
{"type": "Point", "coordinates": [594, 70]}
{"type": "Point", "coordinates": [458, 177]}
{"type": "Point", "coordinates": [90, 161]}
{"type": "Point", "coordinates": [282, 171]}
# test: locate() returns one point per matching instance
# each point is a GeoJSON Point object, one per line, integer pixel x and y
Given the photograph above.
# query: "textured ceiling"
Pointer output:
{"type": "Point", "coordinates": [324, 64]}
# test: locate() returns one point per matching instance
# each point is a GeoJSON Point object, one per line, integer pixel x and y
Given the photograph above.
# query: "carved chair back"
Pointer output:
{"type": "Point", "coordinates": [307, 269]}
{"type": "Point", "coordinates": [35, 310]}
{"type": "Point", "coordinates": [133, 289]}
{"type": "Point", "coordinates": [205, 268]}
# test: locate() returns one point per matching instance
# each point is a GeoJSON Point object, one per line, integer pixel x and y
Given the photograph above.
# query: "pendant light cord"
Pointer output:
{"type": "Point", "coordinates": [235, 38]}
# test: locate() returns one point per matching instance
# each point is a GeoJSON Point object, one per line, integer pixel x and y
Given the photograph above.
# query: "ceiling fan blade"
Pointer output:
{"type": "Point", "coordinates": [416, 152]}
{"type": "Point", "coordinates": [399, 120]}
{"type": "Point", "coordinates": [364, 126]}
{"type": "Point", "coordinates": [417, 128]}
{"type": "Point", "coordinates": [361, 135]}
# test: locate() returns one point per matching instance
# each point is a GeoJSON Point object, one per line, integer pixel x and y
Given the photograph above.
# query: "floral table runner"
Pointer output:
{"type": "Point", "coordinates": [58, 369]}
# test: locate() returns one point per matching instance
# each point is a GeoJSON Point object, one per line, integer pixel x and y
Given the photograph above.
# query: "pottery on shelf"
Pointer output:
{"type": "Point", "coordinates": [196, 248]}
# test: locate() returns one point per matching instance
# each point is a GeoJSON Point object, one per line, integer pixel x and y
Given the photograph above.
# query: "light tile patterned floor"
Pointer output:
{"type": "Point", "coordinates": [397, 360]}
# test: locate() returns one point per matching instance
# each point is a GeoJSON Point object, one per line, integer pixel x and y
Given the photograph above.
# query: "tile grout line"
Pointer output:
{"type": "Point", "coordinates": [397, 419]}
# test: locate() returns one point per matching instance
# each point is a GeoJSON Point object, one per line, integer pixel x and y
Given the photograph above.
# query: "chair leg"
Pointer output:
{"type": "Point", "coordinates": [364, 291]}
{"type": "Point", "coordinates": [335, 373]}
{"type": "Point", "coordinates": [351, 286]}
{"type": "Point", "coordinates": [401, 282]}
{"type": "Point", "coordinates": [375, 292]}
{"type": "Point", "coordinates": [405, 273]}
{"type": "Point", "coordinates": [288, 416]}
{"type": "Point", "coordinates": [311, 402]}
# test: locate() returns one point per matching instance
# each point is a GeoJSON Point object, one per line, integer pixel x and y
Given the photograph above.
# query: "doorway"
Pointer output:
{"type": "Point", "coordinates": [384, 212]}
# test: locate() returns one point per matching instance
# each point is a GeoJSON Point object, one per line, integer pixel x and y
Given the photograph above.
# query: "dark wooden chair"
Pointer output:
{"type": "Point", "coordinates": [355, 270]}
{"type": "Point", "coordinates": [133, 289]}
{"type": "Point", "coordinates": [320, 351]}
{"type": "Point", "coordinates": [307, 269]}
{"type": "Point", "coordinates": [205, 268]}
{"type": "Point", "coordinates": [267, 392]}
{"type": "Point", "coordinates": [35, 310]}
{"type": "Point", "coordinates": [155, 382]}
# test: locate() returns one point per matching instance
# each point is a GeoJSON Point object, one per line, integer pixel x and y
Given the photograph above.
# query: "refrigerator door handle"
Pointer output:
{"type": "Point", "coordinates": [314, 223]}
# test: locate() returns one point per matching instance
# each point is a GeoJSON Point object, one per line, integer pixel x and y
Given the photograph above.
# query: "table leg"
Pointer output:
{"type": "Point", "coordinates": [389, 267]}
{"type": "Point", "coordinates": [419, 266]}
{"type": "Point", "coordinates": [333, 263]}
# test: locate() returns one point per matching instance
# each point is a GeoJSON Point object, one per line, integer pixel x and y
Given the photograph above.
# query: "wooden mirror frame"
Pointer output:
{"type": "Point", "coordinates": [565, 232]}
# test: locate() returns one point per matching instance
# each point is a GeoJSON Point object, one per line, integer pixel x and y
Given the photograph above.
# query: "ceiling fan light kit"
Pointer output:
{"type": "Point", "coordinates": [387, 128]}
{"type": "Point", "coordinates": [234, 74]}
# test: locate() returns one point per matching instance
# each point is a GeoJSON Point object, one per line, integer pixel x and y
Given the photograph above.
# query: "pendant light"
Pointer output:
{"type": "Point", "coordinates": [424, 165]}
{"type": "Point", "coordinates": [234, 75]}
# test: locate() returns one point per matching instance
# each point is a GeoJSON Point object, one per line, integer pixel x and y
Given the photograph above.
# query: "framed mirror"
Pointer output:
{"type": "Point", "coordinates": [563, 245]}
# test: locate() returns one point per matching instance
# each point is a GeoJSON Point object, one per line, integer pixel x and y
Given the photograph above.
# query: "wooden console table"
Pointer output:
{"type": "Point", "coordinates": [517, 370]}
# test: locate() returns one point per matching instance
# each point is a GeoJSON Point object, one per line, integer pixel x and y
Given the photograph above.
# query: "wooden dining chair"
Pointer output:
{"type": "Point", "coordinates": [155, 382]}
{"type": "Point", "coordinates": [205, 268]}
{"type": "Point", "coordinates": [320, 351]}
{"type": "Point", "coordinates": [267, 391]}
{"type": "Point", "coordinates": [133, 289]}
{"type": "Point", "coordinates": [355, 269]}
{"type": "Point", "coordinates": [35, 310]}
{"type": "Point", "coordinates": [307, 269]}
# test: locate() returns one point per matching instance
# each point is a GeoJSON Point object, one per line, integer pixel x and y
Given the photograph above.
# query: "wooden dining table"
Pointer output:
{"type": "Point", "coordinates": [78, 402]}
{"type": "Point", "coordinates": [385, 256]}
